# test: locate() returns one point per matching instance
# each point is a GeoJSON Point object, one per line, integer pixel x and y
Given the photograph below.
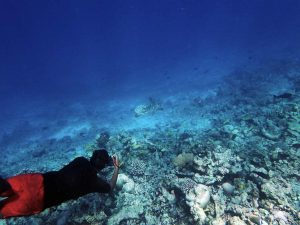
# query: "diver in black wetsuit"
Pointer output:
{"type": "Point", "coordinates": [28, 194]}
{"type": "Point", "coordinates": [78, 178]}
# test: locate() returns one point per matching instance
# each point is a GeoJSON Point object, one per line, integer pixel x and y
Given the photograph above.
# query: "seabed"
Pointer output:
{"type": "Point", "coordinates": [225, 155]}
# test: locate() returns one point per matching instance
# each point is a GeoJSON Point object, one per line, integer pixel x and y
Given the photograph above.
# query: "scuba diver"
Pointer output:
{"type": "Point", "coordinates": [31, 193]}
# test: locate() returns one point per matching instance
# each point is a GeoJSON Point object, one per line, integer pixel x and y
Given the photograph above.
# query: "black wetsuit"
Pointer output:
{"type": "Point", "coordinates": [76, 179]}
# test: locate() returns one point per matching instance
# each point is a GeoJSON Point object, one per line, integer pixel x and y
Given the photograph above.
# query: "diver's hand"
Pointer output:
{"type": "Point", "coordinates": [116, 162]}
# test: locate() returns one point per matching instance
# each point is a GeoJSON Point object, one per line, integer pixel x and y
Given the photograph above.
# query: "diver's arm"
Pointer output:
{"type": "Point", "coordinates": [114, 178]}
{"type": "Point", "coordinates": [116, 172]}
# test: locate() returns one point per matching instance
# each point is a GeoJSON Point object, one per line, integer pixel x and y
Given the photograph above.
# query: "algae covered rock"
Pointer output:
{"type": "Point", "coordinates": [183, 159]}
{"type": "Point", "coordinates": [271, 190]}
{"type": "Point", "coordinates": [126, 213]}
{"type": "Point", "coordinates": [228, 188]}
{"type": "Point", "coordinates": [236, 221]}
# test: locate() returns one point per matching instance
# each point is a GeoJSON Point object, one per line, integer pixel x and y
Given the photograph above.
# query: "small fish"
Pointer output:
{"type": "Point", "coordinates": [284, 95]}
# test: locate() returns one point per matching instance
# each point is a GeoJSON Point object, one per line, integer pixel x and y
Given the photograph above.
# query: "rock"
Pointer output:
{"type": "Point", "coordinates": [228, 188]}
{"type": "Point", "coordinates": [236, 221]}
{"type": "Point", "coordinates": [129, 186]}
{"type": "Point", "coordinates": [170, 196]}
{"type": "Point", "coordinates": [219, 221]}
{"type": "Point", "coordinates": [63, 217]}
{"type": "Point", "coordinates": [128, 212]}
{"type": "Point", "coordinates": [198, 198]}
{"type": "Point", "coordinates": [200, 195]}
{"type": "Point", "coordinates": [269, 135]}
{"type": "Point", "coordinates": [199, 214]}
{"type": "Point", "coordinates": [125, 183]}
{"type": "Point", "coordinates": [151, 219]}
{"type": "Point", "coordinates": [277, 190]}
{"type": "Point", "coordinates": [3, 222]}
{"type": "Point", "coordinates": [255, 219]}
{"type": "Point", "coordinates": [281, 216]}
{"type": "Point", "coordinates": [96, 218]}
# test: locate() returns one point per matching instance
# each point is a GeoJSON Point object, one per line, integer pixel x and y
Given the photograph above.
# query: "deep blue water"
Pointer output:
{"type": "Point", "coordinates": [73, 49]}
{"type": "Point", "coordinates": [58, 53]}
{"type": "Point", "coordinates": [117, 54]}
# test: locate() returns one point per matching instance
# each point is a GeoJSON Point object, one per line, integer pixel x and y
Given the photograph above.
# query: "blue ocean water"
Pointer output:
{"type": "Point", "coordinates": [176, 69]}
{"type": "Point", "coordinates": [78, 52]}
